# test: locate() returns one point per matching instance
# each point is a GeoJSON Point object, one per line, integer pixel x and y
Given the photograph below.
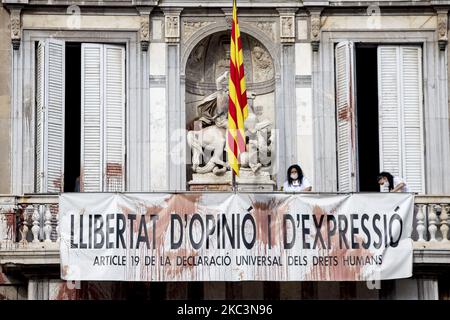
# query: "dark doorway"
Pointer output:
{"type": "Point", "coordinates": [367, 117]}
{"type": "Point", "coordinates": [72, 117]}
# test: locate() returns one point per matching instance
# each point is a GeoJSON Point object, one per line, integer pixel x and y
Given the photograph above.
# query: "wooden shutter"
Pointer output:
{"type": "Point", "coordinates": [50, 79]}
{"type": "Point", "coordinates": [103, 117]}
{"type": "Point", "coordinates": [389, 109]}
{"type": "Point", "coordinates": [91, 117]}
{"type": "Point", "coordinates": [114, 98]}
{"type": "Point", "coordinates": [345, 114]}
{"type": "Point", "coordinates": [400, 113]}
{"type": "Point", "coordinates": [412, 137]}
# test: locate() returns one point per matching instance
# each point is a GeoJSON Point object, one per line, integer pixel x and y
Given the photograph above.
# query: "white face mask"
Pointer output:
{"type": "Point", "coordinates": [294, 176]}
{"type": "Point", "coordinates": [386, 184]}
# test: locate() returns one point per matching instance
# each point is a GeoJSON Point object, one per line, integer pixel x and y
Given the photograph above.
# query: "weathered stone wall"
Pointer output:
{"type": "Point", "coordinates": [5, 98]}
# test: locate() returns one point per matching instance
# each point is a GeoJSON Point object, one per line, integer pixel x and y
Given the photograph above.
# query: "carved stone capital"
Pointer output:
{"type": "Point", "coordinates": [16, 27]}
{"type": "Point", "coordinates": [442, 28]}
{"type": "Point", "coordinates": [315, 27]}
{"type": "Point", "coordinates": [172, 24]}
{"type": "Point", "coordinates": [144, 26]}
{"type": "Point", "coordinates": [287, 24]}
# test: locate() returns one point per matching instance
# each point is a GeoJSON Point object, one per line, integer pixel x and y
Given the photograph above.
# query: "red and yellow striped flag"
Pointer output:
{"type": "Point", "coordinates": [238, 108]}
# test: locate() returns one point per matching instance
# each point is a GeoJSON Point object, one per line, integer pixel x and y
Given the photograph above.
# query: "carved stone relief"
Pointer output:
{"type": "Point", "coordinates": [190, 27]}
{"type": "Point", "coordinates": [172, 28]}
{"type": "Point", "coordinates": [442, 28]}
{"type": "Point", "coordinates": [16, 32]}
{"type": "Point", "coordinates": [207, 74]}
{"type": "Point", "coordinates": [268, 28]}
{"type": "Point", "coordinates": [287, 28]}
{"type": "Point", "coordinates": [144, 33]}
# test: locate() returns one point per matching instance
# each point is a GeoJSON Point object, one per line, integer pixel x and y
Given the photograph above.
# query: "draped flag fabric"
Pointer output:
{"type": "Point", "coordinates": [238, 108]}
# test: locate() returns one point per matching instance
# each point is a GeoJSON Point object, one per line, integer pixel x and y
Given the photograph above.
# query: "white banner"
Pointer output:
{"type": "Point", "coordinates": [236, 237]}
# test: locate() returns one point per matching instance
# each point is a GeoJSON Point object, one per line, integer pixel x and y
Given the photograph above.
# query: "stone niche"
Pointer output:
{"type": "Point", "coordinates": [207, 74]}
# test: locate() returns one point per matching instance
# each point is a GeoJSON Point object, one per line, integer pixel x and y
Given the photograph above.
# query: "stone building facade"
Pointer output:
{"type": "Point", "coordinates": [345, 88]}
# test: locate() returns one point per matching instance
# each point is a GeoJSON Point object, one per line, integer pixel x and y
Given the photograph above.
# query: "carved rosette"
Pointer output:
{"type": "Point", "coordinates": [442, 29]}
{"type": "Point", "coordinates": [144, 32]}
{"type": "Point", "coordinates": [315, 30]}
{"type": "Point", "coordinates": [16, 32]}
{"type": "Point", "coordinates": [172, 28]}
{"type": "Point", "coordinates": [287, 30]}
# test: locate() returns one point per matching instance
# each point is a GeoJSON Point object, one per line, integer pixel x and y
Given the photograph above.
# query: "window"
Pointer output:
{"type": "Point", "coordinates": [391, 94]}
{"type": "Point", "coordinates": [94, 148]}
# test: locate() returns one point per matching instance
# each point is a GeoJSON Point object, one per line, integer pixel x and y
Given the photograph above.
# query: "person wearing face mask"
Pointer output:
{"type": "Point", "coordinates": [391, 183]}
{"type": "Point", "coordinates": [296, 182]}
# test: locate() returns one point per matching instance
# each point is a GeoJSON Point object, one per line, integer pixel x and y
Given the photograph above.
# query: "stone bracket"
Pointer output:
{"type": "Point", "coordinates": [144, 26]}
{"type": "Point", "coordinates": [172, 24]}
{"type": "Point", "coordinates": [442, 27]}
{"type": "Point", "coordinates": [16, 26]}
{"type": "Point", "coordinates": [315, 27]}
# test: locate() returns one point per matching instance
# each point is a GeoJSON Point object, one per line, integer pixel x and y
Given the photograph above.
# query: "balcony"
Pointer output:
{"type": "Point", "coordinates": [29, 232]}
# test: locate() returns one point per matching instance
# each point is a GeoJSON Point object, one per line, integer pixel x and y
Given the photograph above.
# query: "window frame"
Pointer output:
{"type": "Point", "coordinates": [24, 104]}
{"type": "Point", "coordinates": [435, 93]}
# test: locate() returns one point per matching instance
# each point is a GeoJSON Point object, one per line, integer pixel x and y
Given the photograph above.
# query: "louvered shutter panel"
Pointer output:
{"type": "Point", "coordinates": [411, 97]}
{"type": "Point", "coordinates": [345, 104]}
{"type": "Point", "coordinates": [400, 109]}
{"type": "Point", "coordinates": [40, 102]}
{"type": "Point", "coordinates": [389, 109]}
{"type": "Point", "coordinates": [114, 103]}
{"type": "Point", "coordinates": [91, 117]}
{"type": "Point", "coordinates": [50, 115]}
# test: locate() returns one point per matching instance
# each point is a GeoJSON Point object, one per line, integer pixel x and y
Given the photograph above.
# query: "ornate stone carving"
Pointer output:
{"type": "Point", "coordinates": [144, 32]}
{"type": "Point", "coordinates": [261, 62]}
{"type": "Point", "coordinates": [287, 33]}
{"type": "Point", "coordinates": [190, 27]}
{"type": "Point", "coordinates": [172, 28]}
{"type": "Point", "coordinates": [267, 27]}
{"type": "Point", "coordinates": [206, 83]}
{"type": "Point", "coordinates": [16, 32]}
{"type": "Point", "coordinates": [208, 139]}
{"type": "Point", "coordinates": [315, 29]}
{"type": "Point", "coordinates": [442, 28]}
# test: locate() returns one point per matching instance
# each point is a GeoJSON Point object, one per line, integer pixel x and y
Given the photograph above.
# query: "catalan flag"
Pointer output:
{"type": "Point", "coordinates": [238, 108]}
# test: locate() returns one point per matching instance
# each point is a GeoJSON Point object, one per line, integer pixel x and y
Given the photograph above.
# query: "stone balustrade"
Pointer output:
{"type": "Point", "coordinates": [31, 222]}
{"type": "Point", "coordinates": [432, 222]}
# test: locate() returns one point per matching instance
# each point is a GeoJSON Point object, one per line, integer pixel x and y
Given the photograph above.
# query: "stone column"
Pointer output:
{"type": "Point", "coordinates": [286, 121]}
{"type": "Point", "coordinates": [175, 116]}
{"type": "Point", "coordinates": [38, 289]}
{"type": "Point", "coordinates": [142, 150]}
{"type": "Point", "coordinates": [437, 114]}
{"type": "Point", "coordinates": [428, 288]}
{"type": "Point", "coordinates": [17, 135]}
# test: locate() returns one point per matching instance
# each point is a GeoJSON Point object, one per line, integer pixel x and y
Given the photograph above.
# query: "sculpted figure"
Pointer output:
{"type": "Point", "coordinates": [210, 139]}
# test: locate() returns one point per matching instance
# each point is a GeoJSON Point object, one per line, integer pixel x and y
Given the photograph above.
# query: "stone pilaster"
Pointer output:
{"type": "Point", "coordinates": [176, 117]}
